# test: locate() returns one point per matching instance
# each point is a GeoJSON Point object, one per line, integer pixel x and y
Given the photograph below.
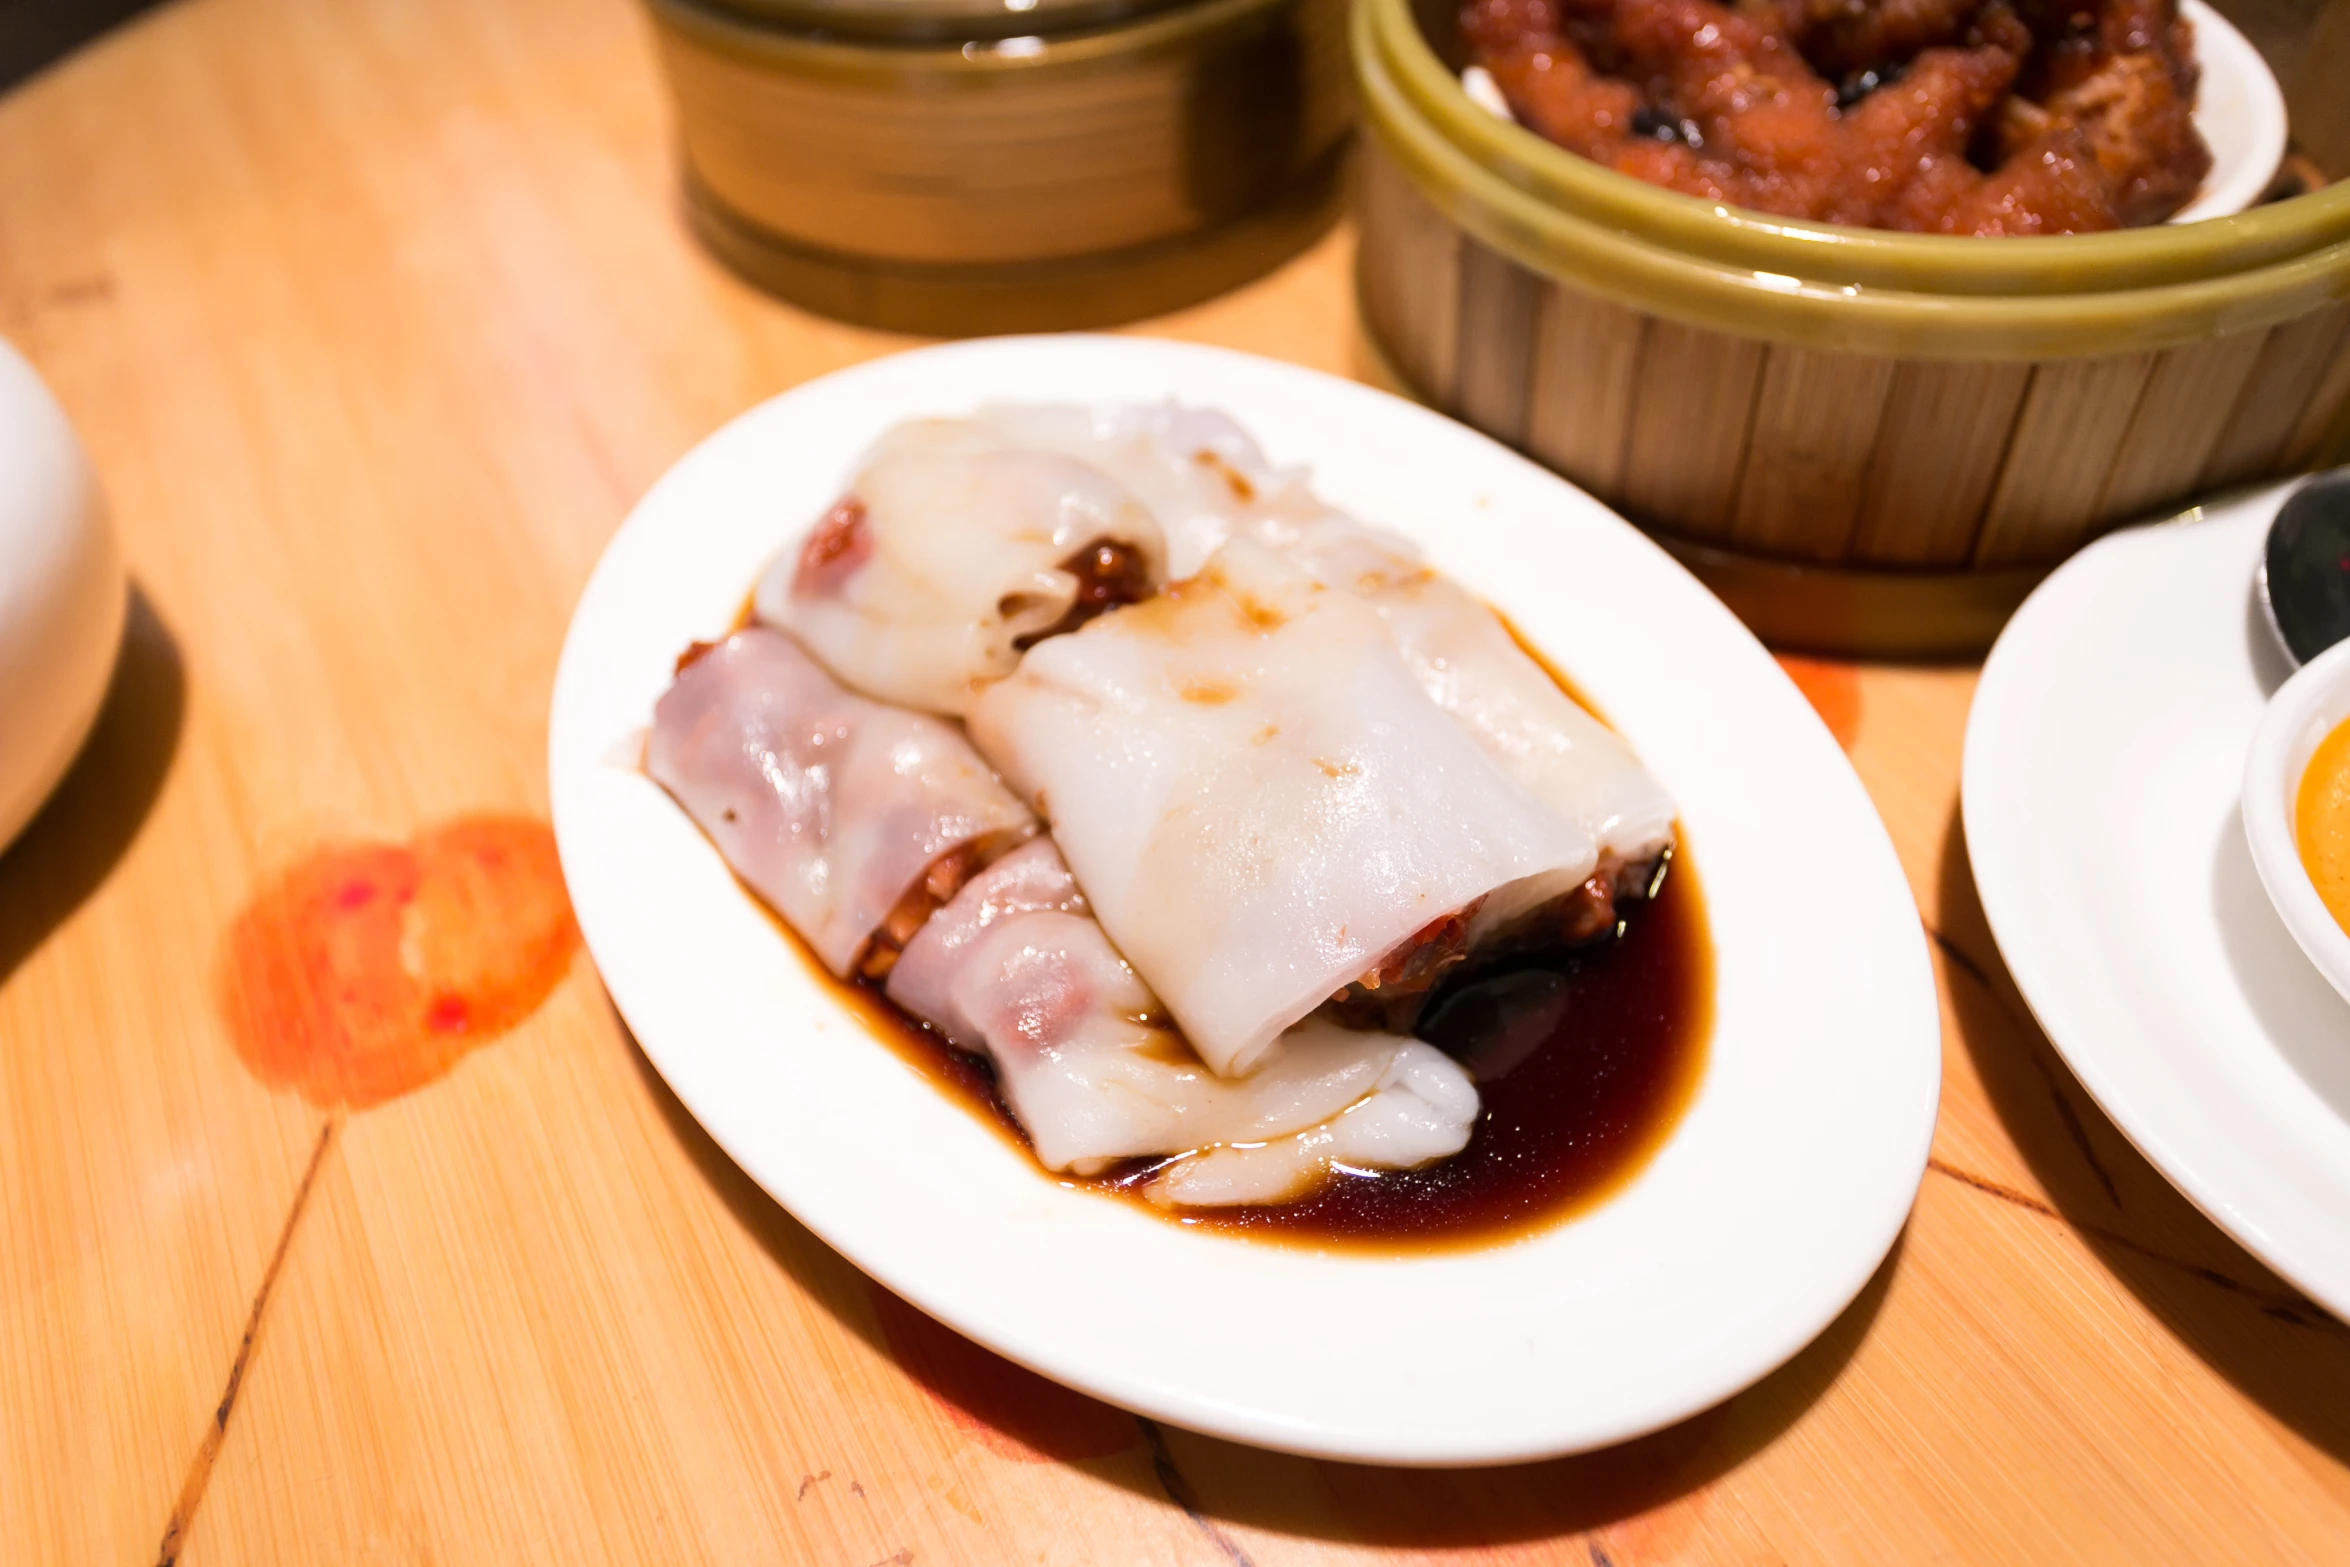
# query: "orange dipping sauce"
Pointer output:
{"type": "Point", "coordinates": [2321, 822]}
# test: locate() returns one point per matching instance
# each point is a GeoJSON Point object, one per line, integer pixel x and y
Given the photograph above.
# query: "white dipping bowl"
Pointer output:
{"type": "Point", "coordinates": [2304, 711]}
{"type": "Point", "coordinates": [62, 595]}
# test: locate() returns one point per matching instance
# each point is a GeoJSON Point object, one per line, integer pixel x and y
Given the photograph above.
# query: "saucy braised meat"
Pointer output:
{"type": "Point", "coordinates": [1980, 117]}
{"type": "Point", "coordinates": [1108, 574]}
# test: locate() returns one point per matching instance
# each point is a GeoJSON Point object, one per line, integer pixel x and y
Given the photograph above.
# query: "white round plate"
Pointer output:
{"type": "Point", "coordinates": [2104, 761]}
{"type": "Point", "coordinates": [1757, 1221]}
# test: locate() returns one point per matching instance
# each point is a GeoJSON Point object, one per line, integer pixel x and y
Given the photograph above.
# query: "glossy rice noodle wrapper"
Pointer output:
{"type": "Point", "coordinates": [1421, 1110]}
{"type": "Point", "coordinates": [1207, 481]}
{"type": "Point", "coordinates": [1199, 473]}
{"type": "Point", "coordinates": [1015, 968]}
{"type": "Point", "coordinates": [853, 820]}
{"type": "Point", "coordinates": [1262, 806]}
{"type": "Point", "coordinates": [1472, 668]}
{"type": "Point", "coordinates": [952, 552]}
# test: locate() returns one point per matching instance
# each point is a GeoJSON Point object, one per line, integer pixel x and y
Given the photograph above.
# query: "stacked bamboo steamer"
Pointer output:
{"type": "Point", "coordinates": [1867, 442]}
{"type": "Point", "coordinates": [956, 166]}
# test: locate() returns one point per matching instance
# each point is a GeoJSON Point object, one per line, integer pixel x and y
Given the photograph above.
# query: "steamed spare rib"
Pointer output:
{"type": "Point", "coordinates": [953, 552]}
{"type": "Point", "coordinates": [1262, 805]}
{"type": "Point", "coordinates": [1016, 969]}
{"type": "Point", "coordinates": [852, 819]}
{"type": "Point", "coordinates": [1981, 117]}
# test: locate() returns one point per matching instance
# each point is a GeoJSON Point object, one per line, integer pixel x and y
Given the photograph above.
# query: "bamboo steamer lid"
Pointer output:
{"type": "Point", "coordinates": [939, 21]}
{"type": "Point", "coordinates": [952, 166]}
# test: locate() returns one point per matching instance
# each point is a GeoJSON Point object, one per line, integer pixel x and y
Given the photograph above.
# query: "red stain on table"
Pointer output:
{"type": "Point", "coordinates": [369, 969]}
{"type": "Point", "coordinates": [1833, 691]}
{"type": "Point", "coordinates": [1011, 1410]}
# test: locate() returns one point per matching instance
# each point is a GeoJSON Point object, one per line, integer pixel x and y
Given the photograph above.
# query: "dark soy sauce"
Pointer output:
{"type": "Point", "coordinates": [1584, 1061]}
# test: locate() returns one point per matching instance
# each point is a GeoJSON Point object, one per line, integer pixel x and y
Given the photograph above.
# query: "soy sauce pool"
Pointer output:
{"type": "Point", "coordinates": [1571, 1109]}
{"type": "Point", "coordinates": [1585, 1061]}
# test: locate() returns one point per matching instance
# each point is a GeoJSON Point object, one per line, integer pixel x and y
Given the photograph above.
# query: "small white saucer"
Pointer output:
{"type": "Point", "coordinates": [2299, 717]}
{"type": "Point", "coordinates": [2104, 759]}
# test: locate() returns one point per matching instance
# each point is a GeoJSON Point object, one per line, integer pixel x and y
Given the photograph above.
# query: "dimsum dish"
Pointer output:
{"type": "Point", "coordinates": [1973, 117]}
{"type": "Point", "coordinates": [1629, 1113]}
{"type": "Point", "coordinates": [1236, 858]}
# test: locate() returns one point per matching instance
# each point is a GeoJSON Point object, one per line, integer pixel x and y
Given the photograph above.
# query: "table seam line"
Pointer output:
{"type": "Point", "coordinates": [2292, 1308]}
{"type": "Point", "coordinates": [199, 1475]}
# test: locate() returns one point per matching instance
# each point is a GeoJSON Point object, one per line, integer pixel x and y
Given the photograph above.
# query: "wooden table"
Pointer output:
{"type": "Point", "coordinates": [377, 316]}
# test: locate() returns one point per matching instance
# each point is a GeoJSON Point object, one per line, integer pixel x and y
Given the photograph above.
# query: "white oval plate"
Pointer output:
{"type": "Point", "coordinates": [2104, 763]}
{"type": "Point", "coordinates": [1759, 1219]}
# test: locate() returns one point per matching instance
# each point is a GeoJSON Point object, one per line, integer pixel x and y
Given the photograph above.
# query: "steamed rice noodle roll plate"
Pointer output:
{"type": "Point", "coordinates": [1757, 1215]}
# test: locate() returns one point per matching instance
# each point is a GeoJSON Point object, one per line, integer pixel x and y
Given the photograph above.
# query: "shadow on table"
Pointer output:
{"type": "Point", "coordinates": [1217, 1482]}
{"type": "Point", "coordinates": [2275, 1344]}
{"type": "Point", "coordinates": [67, 850]}
{"type": "Point", "coordinates": [36, 33]}
{"type": "Point", "coordinates": [1644, 1494]}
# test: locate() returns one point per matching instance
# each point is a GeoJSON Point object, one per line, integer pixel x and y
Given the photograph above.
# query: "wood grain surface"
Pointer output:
{"type": "Point", "coordinates": [377, 317]}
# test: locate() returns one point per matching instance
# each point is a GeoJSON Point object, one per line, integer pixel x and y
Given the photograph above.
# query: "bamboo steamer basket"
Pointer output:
{"type": "Point", "coordinates": [945, 166]}
{"type": "Point", "coordinates": [1868, 443]}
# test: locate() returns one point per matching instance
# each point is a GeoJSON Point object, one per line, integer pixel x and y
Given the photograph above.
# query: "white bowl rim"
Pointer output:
{"type": "Point", "coordinates": [2304, 710]}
